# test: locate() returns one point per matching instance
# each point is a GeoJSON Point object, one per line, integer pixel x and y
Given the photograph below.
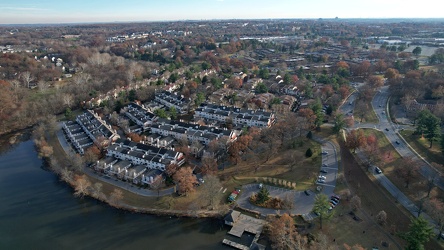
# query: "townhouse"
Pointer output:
{"type": "Point", "coordinates": [239, 117]}
{"type": "Point", "coordinates": [88, 129]}
{"type": "Point", "coordinates": [180, 103]}
{"type": "Point", "coordinates": [140, 154]}
{"type": "Point", "coordinates": [193, 132]}
{"type": "Point", "coordinates": [139, 115]}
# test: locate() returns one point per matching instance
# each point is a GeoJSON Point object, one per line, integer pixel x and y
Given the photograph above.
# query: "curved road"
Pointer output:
{"type": "Point", "coordinates": [380, 104]}
{"type": "Point", "coordinates": [303, 204]}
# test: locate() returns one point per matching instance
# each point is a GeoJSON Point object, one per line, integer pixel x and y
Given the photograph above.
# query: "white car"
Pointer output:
{"type": "Point", "coordinates": [321, 180]}
{"type": "Point", "coordinates": [322, 177]}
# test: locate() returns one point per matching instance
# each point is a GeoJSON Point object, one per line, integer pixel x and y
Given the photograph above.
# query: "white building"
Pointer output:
{"type": "Point", "coordinates": [240, 117]}
{"type": "Point", "coordinates": [141, 154]}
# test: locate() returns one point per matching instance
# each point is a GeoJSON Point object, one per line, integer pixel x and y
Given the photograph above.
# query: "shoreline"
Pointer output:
{"type": "Point", "coordinates": [55, 143]}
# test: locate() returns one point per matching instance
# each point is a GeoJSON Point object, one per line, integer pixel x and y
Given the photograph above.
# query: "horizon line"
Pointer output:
{"type": "Point", "coordinates": [220, 19]}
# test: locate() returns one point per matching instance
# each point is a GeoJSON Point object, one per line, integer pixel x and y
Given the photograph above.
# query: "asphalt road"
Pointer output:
{"type": "Point", "coordinates": [391, 130]}
{"type": "Point", "coordinates": [380, 104]}
{"type": "Point", "coordinates": [303, 204]}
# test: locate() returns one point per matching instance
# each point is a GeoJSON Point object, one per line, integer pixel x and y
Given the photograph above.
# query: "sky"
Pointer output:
{"type": "Point", "coordinates": [79, 11]}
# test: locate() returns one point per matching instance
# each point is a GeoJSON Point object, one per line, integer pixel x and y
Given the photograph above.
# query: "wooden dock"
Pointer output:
{"type": "Point", "coordinates": [235, 245]}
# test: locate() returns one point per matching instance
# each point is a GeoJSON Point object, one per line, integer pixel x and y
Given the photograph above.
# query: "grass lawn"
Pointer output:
{"type": "Point", "coordinates": [422, 146]}
{"type": "Point", "coordinates": [303, 173]}
{"type": "Point", "coordinates": [374, 198]}
{"type": "Point", "coordinates": [391, 161]}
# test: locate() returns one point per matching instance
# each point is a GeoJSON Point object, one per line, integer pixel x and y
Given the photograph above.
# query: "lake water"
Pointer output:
{"type": "Point", "coordinates": [37, 211]}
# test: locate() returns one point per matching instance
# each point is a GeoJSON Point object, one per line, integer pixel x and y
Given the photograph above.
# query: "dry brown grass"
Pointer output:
{"type": "Point", "coordinates": [303, 173]}
{"type": "Point", "coordinates": [422, 146]}
{"type": "Point", "coordinates": [375, 198]}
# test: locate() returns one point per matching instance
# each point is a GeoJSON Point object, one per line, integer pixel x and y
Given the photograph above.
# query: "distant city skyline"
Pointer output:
{"type": "Point", "coordinates": [81, 11]}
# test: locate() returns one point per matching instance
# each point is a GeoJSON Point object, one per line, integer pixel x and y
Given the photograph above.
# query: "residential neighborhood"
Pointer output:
{"type": "Point", "coordinates": [290, 133]}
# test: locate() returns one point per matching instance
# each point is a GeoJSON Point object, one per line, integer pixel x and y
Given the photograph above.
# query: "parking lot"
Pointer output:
{"type": "Point", "coordinates": [303, 203]}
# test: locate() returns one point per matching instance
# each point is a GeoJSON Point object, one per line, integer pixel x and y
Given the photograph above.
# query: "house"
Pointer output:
{"type": "Point", "coordinates": [132, 174]}
{"type": "Point", "coordinates": [141, 154]}
{"type": "Point", "coordinates": [117, 168]}
{"type": "Point", "coordinates": [150, 177]}
{"type": "Point", "coordinates": [103, 165]}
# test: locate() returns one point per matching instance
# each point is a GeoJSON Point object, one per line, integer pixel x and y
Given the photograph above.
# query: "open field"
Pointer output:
{"type": "Point", "coordinates": [374, 198]}
{"type": "Point", "coordinates": [303, 172]}
{"type": "Point", "coordinates": [422, 146]}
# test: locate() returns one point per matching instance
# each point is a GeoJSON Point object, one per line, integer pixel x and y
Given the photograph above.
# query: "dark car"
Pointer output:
{"type": "Point", "coordinates": [397, 142]}
{"type": "Point", "coordinates": [307, 193]}
{"type": "Point", "coordinates": [386, 129]}
{"type": "Point", "coordinates": [324, 171]}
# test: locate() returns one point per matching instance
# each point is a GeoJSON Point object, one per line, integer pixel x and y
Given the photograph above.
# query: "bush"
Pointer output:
{"type": "Point", "coordinates": [309, 153]}
{"type": "Point", "coordinates": [309, 135]}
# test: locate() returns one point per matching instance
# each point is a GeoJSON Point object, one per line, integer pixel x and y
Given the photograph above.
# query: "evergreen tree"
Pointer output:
{"type": "Point", "coordinates": [308, 153]}
{"type": "Point", "coordinates": [263, 195]}
{"type": "Point", "coordinates": [419, 233]}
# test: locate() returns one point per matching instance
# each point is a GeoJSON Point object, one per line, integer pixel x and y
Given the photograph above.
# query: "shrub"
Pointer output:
{"type": "Point", "coordinates": [308, 153]}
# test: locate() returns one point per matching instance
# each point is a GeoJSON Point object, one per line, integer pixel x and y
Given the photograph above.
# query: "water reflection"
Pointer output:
{"type": "Point", "coordinates": [40, 212]}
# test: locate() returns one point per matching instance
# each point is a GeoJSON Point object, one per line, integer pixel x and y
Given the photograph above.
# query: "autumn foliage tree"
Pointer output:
{"type": "Point", "coordinates": [355, 139]}
{"type": "Point", "coordinates": [134, 137]}
{"type": "Point", "coordinates": [185, 180]}
{"type": "Point", "coordinates": [283, 235]}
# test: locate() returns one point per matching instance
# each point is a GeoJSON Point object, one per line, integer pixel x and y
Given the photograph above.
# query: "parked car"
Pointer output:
{"type": "Point", "coordinates": [260, 185]}
{"type": "Point", "coordinates": [324, 171]}
{"type": "Point", "coordinates": [378, 170]}
{"type": "Point", "coordinates": [386, 129]}
{"type": "Point", "coordinates": [324, 165]}
{"type": "Point", "coordinates": [335, 196]}
{"type": "Point", "coordinates": [322, 177]}
{"type": "Point", "coordinates": [324, 152]}
{"type": "Point", "coordinates": [307, 193]}
{"type": "Point", "coordinates": [397, 142]}
{"type": "Point", "coordinates": [334, 202]}
{"type": "Point", "coordinates": [321, 180]}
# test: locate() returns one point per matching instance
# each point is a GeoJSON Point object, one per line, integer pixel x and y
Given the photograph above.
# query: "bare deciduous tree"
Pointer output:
{"type": "Point", "coordinates": [68, 100]}
{"type": "Point", "coordinates": [381, 217]}
{"type": "Point", "coordinates": [116, 197]}
{"type": "Point", "coordinates": [211, 191]}
{"type": "Point", "coordinates": [355, 203]}
{"type": "Point", "coordinates": [81, 185]}
{"type": "Point", "coordinates": [27, 78]}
